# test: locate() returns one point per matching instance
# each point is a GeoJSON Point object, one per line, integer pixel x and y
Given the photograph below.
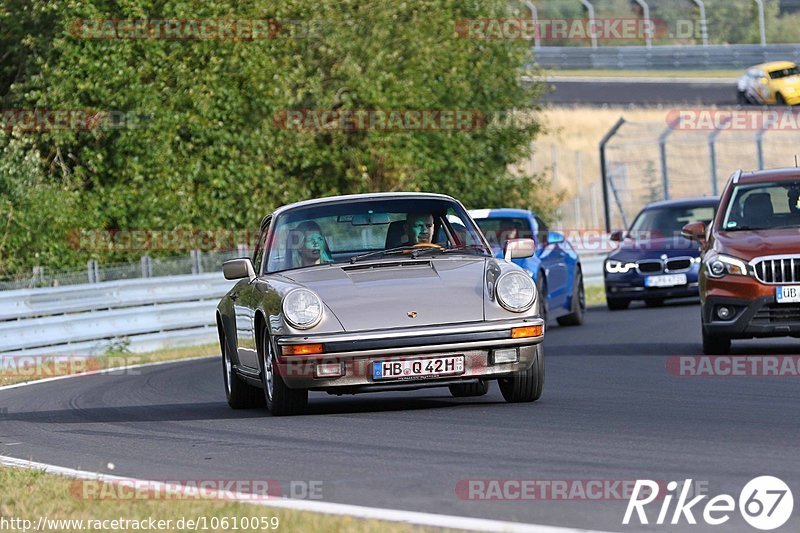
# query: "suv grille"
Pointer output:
{"type": "Point", "coordinates": [778, 314]}
{"type": "Point", "coordinates": [778, 270]}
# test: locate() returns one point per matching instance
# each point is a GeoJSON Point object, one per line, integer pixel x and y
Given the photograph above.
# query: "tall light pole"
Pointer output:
{"type": "Point", "coordinates": [648, 32]}
{"type": "Point", "coordinates": [762, 26]}
{"type": "Point", "coordinates": [590, 8]}
{"type": "Point", "coordinates": [537, 39]}
{"type": "Point", "coordinates": [703, 21]}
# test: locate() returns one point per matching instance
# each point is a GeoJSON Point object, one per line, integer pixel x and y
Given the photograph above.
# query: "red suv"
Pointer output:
{"type": "Point", "coordinates": [750, 272]}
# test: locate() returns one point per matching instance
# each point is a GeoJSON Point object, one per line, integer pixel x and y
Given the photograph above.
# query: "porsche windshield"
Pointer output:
{"type": "Point", "coordinates": [349, 231]}
{"type": "Point", "coordinates": [764, 206]}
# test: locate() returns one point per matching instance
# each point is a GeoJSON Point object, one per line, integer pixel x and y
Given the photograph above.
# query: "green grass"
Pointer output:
{"type": "Point", "coordinates": [31, 494]}
{"type": "Point", "coordinates": [648, 73]}
{"type": "Point", "coordinates": [595, 295]}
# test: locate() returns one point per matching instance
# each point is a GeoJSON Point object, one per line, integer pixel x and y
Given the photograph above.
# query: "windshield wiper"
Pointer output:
{"type": "Point", "coordinates": [472, 247]}
{"type": "Point", "coordinates": [390, 251]}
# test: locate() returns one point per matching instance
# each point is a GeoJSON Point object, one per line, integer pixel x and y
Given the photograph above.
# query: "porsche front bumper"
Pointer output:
{"type": "Point", "coordinates": [356, 352]}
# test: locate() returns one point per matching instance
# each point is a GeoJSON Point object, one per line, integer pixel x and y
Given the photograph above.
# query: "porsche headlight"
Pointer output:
{"type": "Point", "coordinates": [723, 264]}
{"type": "Point", "coordinates": [302, 308]}
{"type": "Point", "coordinates": [516, 292]}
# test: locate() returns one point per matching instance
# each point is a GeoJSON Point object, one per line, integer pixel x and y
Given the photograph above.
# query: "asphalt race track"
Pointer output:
{"type": "Point", "coordinates": [610, 411]}
{"type": "Point", "coordinates": [641, 92]}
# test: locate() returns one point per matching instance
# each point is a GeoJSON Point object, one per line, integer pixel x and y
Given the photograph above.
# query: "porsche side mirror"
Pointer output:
{"type": "Point", "coordinates": [238, 269]}
{"type": "Point", "coordinates": [519, 249]}
{"type": "Point", "coordinates": [696, 231]}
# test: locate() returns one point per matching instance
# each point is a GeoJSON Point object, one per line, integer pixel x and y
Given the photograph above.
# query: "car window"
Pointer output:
{"type": "Point", "coordinates": [542, 231]}
{"type": "Point", "coordinates": [258, 253]}
{"type": "Point", "coordinates": [340, 231]}
{"type": "Point", "coordinates": [763, 206]}
{"type": "Point", "coordinates": [669, 221]}
{"type": "Point", "coordinates": [498, 230]}
{"type": "Point", "coordinates": [783, 73]}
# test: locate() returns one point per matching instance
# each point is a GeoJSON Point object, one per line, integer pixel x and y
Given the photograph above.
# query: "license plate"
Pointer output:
{"type": "Point", "coordinates": [418, 368]}
{"type": "Point", "coordinates": [787, 295]}
{"type": "Point", "coordinates": [670, 280]}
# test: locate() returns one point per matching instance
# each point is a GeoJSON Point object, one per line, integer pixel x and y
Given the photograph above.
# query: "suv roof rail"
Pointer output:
{"type": "Point", "coordinates": [737, 175]}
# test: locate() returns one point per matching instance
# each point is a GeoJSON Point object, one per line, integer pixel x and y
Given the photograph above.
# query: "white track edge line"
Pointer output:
{"type": "Point", "coordinates": [356, 511]}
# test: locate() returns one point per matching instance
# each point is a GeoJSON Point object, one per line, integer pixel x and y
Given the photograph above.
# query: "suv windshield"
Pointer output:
{"type": "Point", "coordinates": [669, 221]}
{"type": "Point", "coordinates": [348, 231]}
{"type": "Point", "coordinates": [764, 206]}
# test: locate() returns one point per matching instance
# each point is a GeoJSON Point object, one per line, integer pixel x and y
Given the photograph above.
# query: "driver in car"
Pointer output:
{"type": "Point", "coordinates": [312, 248]}
{"type": "Point", "coordinates": [419, 229]}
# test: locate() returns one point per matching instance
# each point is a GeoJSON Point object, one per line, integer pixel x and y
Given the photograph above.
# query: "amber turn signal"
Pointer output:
{"type": "Point", "coordinates": [527, 331]}
{"type": "Point", "coordinates": [302, 349]}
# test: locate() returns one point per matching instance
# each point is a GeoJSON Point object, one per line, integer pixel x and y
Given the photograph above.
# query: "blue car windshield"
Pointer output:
{"type": "Point", "coordinates": [352, 230]}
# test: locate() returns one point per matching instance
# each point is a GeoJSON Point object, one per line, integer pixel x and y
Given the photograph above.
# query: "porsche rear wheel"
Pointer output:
{"type": "Point", "coordinates": [525, 386]}
{"type": "Point", "coordinates": [240, 395]}
{"type": "Point", "coordinates": [466, 390]}
{"type": "Point", "coordinates": [281, 400]}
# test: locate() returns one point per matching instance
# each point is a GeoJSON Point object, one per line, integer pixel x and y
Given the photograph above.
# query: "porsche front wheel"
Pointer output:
{"type": "Point", "coordinates": [281, 400]}
{"type": "Point", "coordinates": [527, 385]}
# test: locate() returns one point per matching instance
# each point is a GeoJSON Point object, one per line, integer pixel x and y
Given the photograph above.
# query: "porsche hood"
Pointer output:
{"type": "Point", "coordinates": [402, 293]}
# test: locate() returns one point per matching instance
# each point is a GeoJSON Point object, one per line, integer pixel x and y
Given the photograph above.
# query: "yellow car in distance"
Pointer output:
{"type": "Point", "coordinates": [774, 83]}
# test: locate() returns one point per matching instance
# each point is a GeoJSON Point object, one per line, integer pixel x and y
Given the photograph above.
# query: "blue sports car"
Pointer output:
{"type": "Point", "coordinates": [555, 267]}
{"type": "Point", "coordinates": [654, 262]}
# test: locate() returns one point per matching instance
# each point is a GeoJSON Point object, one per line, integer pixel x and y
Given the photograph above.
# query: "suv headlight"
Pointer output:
{"type": "Point", "coordinates": [516, 292]}
{"type": "Point", "coordinates": [722, 265]}
{"type": "Point", "coordinates": [618, 267]}
{"type": "Point", "coordinates": [302, 308]}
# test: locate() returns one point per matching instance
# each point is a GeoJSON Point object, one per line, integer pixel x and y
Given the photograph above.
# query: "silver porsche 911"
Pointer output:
{"type": "Point", "coordinates": [377, 292]}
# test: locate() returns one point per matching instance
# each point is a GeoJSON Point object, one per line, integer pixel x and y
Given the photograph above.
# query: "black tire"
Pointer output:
{"type": "Point", "coordinates": [525, 386]}
{"type": "Point", "coordinates": [541, 291]}
{"type": "Point", "coordinates": [715, 344]}
{"type": "Point", "coordinates": [617, 304]}
{"type": "Point", "coordinates": [654, 302]}
{"type": "Point", "coordinates": [741, 98]}
{"type": "Point", "coordinates": [779, 99]}
{"type": "Point", "coordinates": [466, 390]}
{"type": "Point", "coordinates": [280, 399]}
{"type": "Point", "coordinates": [578, 307]}
{"type": "Point", "coordinates": [239, 393]}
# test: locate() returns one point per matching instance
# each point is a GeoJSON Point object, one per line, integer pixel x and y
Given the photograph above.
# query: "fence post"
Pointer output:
{"type": "Point", "coordinates": [579, 183]}
{"type": "Point", "coordinates": [604, 170]}
{"type": "Point", "coordinates": [147, 266]}
{"type": "Point", "coordinates": [712, 150]}
{"type": "Point", "coordinates": [762, 27]}
{"type": "Point", "coordinates": [760, 147]}
{"type": "Point", "coordinates": [662, 149]}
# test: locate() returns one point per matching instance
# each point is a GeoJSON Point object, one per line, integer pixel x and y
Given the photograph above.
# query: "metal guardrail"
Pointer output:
{"type": "Point", "coordinates": [714, 57]}
{"type": "Point", "coordinates": [141, 314]}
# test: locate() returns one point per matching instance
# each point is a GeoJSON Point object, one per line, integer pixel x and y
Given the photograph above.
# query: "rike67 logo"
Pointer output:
{"type": "Point", "coordinates": [765, 503]}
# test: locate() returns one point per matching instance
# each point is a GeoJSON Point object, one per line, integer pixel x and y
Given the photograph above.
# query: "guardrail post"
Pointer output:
{"type": "Point", "coordinates": [147, 266]}
{"type": "Point", "coordinates": [93, 271]}
{"type": "Point", "coordinates": [604, 169]}
{"type": "Point", "coordinates": [197, 267]}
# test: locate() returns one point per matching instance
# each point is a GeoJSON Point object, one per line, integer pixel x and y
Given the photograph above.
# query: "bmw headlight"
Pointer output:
{"type": "Point", "coordinates": [302, 308]}
{"type": "Point", "coordinates": [618, 267]}
{"type": "Point", "coordinates": [722, 265]}
{"type": "Point", "coordinates": [516, 292]}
